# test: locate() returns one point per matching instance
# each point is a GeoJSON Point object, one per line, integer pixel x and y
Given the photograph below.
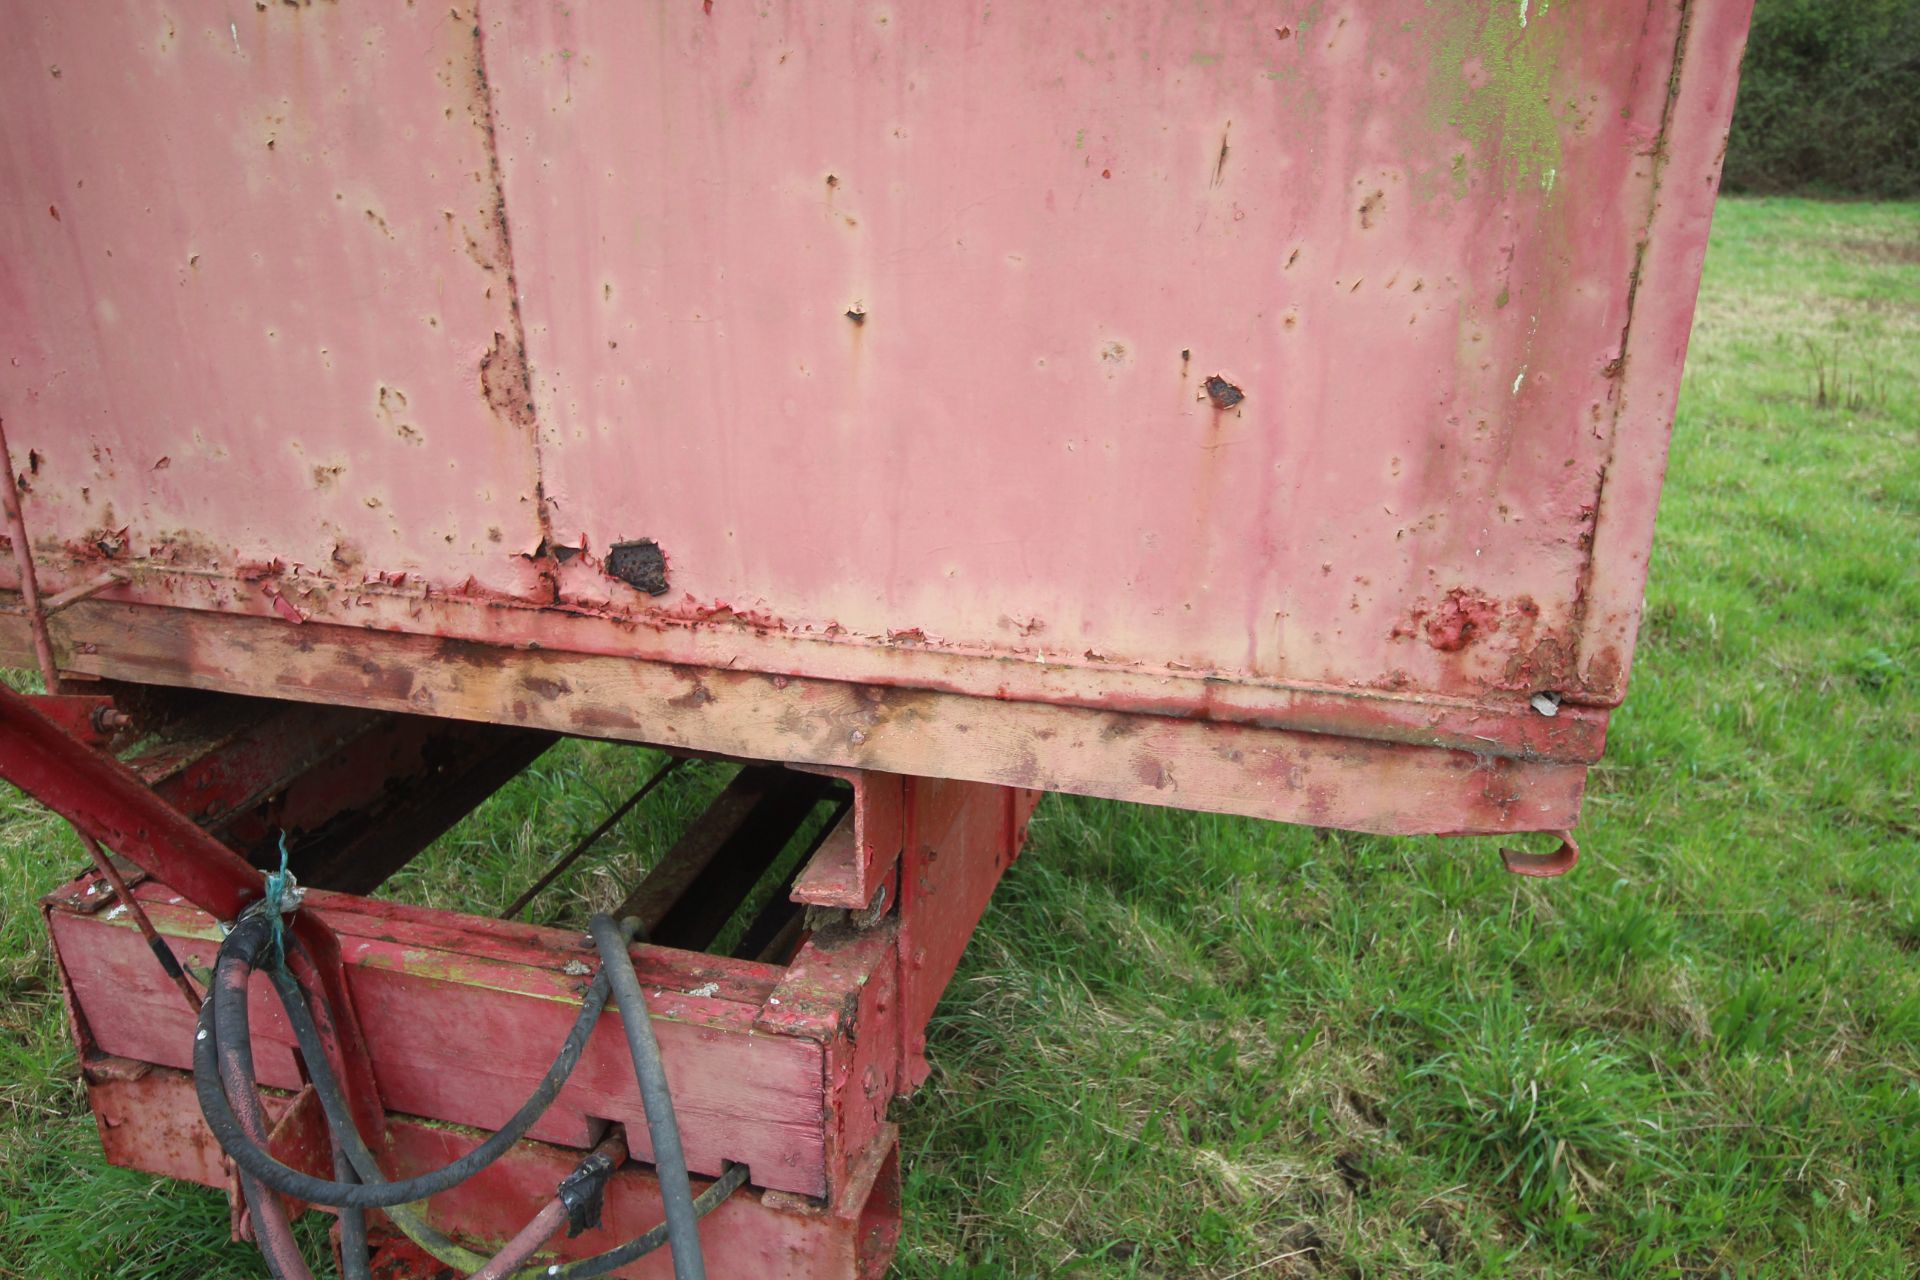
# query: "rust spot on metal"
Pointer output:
{"type": "Point", "coordinates": [1222, 393]}
{"type": "Point", "coordinates": [504, 381]}
{"type": "Point", "coordinates": [1461, 618]}
{"type": "Point", "coordinates": [1603, 673]}
{"type": "Point", "coordinates": [101, 544]}
{"type": "Point", "coordinates": [1370, 209]}
{"type": "Point", "coordinates": [692, 612]}
{"type": "Point", "coordinates": [1498, 785]}
{"type": "Point", "coordinates": [1547, 664]}
{"type": "Point", "coordinates": [640, 564]}
{"type": "Point", "coordinates": [1283, 33]}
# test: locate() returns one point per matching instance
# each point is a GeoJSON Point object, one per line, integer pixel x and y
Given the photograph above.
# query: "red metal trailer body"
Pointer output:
{"type": "Point", "coordinates": [1256, 407]}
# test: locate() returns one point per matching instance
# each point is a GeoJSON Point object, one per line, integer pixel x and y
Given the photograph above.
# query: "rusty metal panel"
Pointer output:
{"type": "Point", "coordinates": [258, 303]}
{"type": "Point", "coordinates": [1300, 366]}
{"type": "Point", "coordinates": [1278, 342]}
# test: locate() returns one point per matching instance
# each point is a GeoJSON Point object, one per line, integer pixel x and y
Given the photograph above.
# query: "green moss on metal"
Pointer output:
{"type": "Point", "coordinates": [1491, 84]}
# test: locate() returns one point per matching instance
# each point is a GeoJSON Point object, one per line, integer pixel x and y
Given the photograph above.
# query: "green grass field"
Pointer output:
{"type": "Point", "coordinates": [1186, 1045]}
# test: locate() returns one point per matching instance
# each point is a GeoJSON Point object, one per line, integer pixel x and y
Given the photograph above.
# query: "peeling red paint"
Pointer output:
{"type": "Point", "coordinates": [1545, 666]}
{"type": "Point", "coordinates": [1461, 617]}
{"type": "Point", "coordinates": [692, 613]}
{"type": "Point", "coordinates": [283, 606]}
{"type": "Point", "coordinates": [258, 570]}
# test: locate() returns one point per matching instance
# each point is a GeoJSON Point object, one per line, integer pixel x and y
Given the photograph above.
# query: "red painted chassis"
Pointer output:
{"type": "Point", "coordinates": [448, 1019]}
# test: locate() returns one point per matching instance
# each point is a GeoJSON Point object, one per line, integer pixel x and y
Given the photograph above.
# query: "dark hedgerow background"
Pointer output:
{"type": "Point", "coordinates": [1829, 100]}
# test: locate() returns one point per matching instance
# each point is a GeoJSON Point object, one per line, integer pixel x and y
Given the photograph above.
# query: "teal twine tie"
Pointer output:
{"type": "Point", "coordinates": [276, 889]}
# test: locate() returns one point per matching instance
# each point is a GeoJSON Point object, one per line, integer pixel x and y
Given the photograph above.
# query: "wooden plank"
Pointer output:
{"type": "Point", "coordinates": [847, 979]}
{"type": "Point", "coordinates": [1500, 723]}
{"type": "Point", "coordinates": [691, 893]}
{"type": "Point", "coordinates": [752, 1234]}
{"type": "Point", "coordinates": [222, 759]}
{"type": "Point", "coordinates": [364, 813]}
{"type": "Point", "coordinates": [1315, 778]}
{"type": "Point", "coordinates": [150, 1122]}
{"type": "Point", "coordinates": [775, 934]}
{"type": "Point", "coordinates": [427, 999]}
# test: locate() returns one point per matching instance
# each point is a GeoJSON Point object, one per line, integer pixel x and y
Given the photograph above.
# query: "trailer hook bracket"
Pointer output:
{"type": "Point", "coordinates": [1543, 865]}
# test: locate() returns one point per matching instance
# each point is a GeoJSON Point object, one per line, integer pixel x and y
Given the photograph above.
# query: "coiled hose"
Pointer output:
{"type": "Point", "coordinates": [224, 1082]}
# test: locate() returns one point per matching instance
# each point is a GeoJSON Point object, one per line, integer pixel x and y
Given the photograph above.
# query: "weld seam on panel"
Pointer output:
{"type": "Point", "coordinates": [1584, 580]}
{"type": "Point", "coordinates": [548, 567]}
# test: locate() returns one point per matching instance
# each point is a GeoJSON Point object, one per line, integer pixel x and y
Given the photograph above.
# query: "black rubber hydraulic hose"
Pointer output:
{"type": "Point", "coordinates": [243, 947]}
{"type": "Point", "coordinates": [219, 1073]}
{"type": "Point", "coordinates": [347, 1142]}
{"type": "Point", "coordinates": [356, 1261]}
{"type": "Point", "coordinates": [356, 1255]}
{"type": "Point", "coordinates": [272, 1228]}
{"type": "Point", "coordinates": [334, 1104]}
{"type": "Point", "coordinates": [669, 1159]}
{"type": "Point", "coordinates": [639, 1247]}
